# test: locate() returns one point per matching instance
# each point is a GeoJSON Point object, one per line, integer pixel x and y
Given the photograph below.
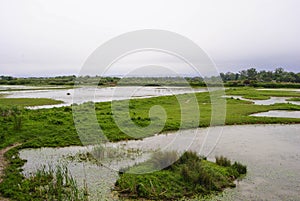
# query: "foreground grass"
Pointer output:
{"type": "Point", "coordinates": [55, 127]}
{"type": "Point", "coordinates": [51, 183]}
{"type": "Point", "coordinates": [48, 184]}
{"type": "Point", "coordinates": [189, 176]}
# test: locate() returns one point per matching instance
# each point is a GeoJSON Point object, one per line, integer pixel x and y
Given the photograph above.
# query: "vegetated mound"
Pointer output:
{"type": "Point", "coordinates": [189, 176]}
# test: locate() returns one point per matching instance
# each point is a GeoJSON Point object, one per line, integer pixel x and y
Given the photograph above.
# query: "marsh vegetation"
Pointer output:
{"type": "Point", "coordinates": [55, 128]}
{"type": "Point", "coordinates": [189, 176]}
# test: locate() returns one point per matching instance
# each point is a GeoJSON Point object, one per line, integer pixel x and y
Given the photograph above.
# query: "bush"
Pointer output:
{"type": "Point", "coordinates": [241, 169]}
{"type": "Point", "coordinates": [223, 161]}
{"type": "Point", "coordinates": [2, 137]}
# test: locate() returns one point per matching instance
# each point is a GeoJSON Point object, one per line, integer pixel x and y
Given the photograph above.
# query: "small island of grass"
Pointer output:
{"type": "Point", "coordinates": [256, 97]}
{"type": "Point", "coordinates": [189, 176]}
{"type": "Point", "coordinates": [25, 102]}
{"type": "Point", "coordinates": [293, 99]}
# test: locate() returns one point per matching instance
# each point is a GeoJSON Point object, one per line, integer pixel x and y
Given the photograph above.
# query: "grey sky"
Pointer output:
{"type": "Point", "coordinates": [55, 37]}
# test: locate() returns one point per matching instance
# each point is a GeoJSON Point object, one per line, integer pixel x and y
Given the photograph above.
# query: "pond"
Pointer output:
{"type": "Point", "coordinates": [271, 153]}
{"type": "Point", "coordinates": [100, 94]}
{"type": "Point", "coordinates": [278, 113]}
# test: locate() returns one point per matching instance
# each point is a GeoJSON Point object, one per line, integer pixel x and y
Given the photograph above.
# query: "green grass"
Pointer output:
{"type": "Point", "coordinates": [36, 88]}
{"type": "Point", "coordinates": [22, 102]}
{"type": "Point", "coordinates": [188, 177]}
{"type": "Point", "coordinates": [47, 184]}
{"type": "Point", "coordinates": [253, 93]}
{"type": "Point", "coordinates": [256, 97]}
{"type": "Point", "coordinates": [293, 99]}
{"type": "Point", "coordinates": [51, 183]}
{"type": "Point", "coordinates": [55, 127]}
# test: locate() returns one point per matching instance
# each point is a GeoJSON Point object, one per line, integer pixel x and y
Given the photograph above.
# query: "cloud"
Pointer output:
{"type": "Point", "coordinates": [55, 37]}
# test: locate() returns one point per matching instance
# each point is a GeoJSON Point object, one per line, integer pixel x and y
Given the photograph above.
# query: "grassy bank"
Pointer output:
{"type": "Point", "coordinates": [33, 88]}
{"type": "Point", "coordinates": [189, 176]}
{"type": "Point", "coordinates": [293, 99]}
{"type": "Point", "coordinates": [55, 127]}
{"type": "Point", "coordinates": [253, 93]}
{"type": "Point", "coordinates": [22, 102]}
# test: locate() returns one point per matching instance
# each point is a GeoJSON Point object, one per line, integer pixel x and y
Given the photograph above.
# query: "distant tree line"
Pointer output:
{"type": "Point", "coordinates": [277, 78]}
{"type": "Point", "coordinates": [250, 77]}
{"type": "Point", "coordinates": [251, 74]}
{"type": "Point", "coordinates": [58, 80]}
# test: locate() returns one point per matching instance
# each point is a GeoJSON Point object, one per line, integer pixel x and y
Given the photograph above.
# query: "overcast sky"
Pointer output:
{"type": "Point", "coordinates": [55, 37]}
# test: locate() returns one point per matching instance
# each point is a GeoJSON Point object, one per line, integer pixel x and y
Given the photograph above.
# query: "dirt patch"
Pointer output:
{"type": "Point", "coordinates": [3, 163]}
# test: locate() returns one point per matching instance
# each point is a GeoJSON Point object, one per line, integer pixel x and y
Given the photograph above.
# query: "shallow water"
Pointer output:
{"type": "Point", "coordinates": [271, 153]}
{"type": "Point", "coordinates": [278, 113]}
{"type": "Point", "coordinates": [86, 94]}
{"type": "Point", "coordinates": [98, 178]}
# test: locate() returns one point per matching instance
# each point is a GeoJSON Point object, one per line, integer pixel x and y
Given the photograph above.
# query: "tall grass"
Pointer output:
{"type": "Point", "coordinates": [14, 112]}
{"type": "Point", "coordinates": [54, 184]}
{"type": "Point", "coordinates": [223, 161]}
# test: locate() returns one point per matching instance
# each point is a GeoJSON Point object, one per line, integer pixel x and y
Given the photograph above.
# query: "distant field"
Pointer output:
{"type": "Point", "coordinates": [293, 99]}
{"type": "Point", "coordinates": [36, 88]}
{"type": "Point", "coordinates": [252, 93]}
{"type": "Point", "coordinates": [27, 102]}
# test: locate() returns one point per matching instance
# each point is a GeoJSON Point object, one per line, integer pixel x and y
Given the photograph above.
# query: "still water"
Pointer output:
{"type": "Point", "coordinates": [271, 153]}
{"type": "Point", "coordinates": [99, 94]}
{"type": "Point", "coordinates": [278, 113]}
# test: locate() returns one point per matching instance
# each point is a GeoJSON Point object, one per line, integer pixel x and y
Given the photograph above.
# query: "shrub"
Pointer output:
{"type": "Point", "coordinates": [189, 156]}
{"type": "Point", "coordinates": [241, 169]}
{"type": "Point", "coordinates": [223, 161]}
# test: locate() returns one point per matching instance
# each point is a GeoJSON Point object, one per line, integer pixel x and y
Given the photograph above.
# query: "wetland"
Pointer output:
{"type": "Point", "coordinates": [48, 136]}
